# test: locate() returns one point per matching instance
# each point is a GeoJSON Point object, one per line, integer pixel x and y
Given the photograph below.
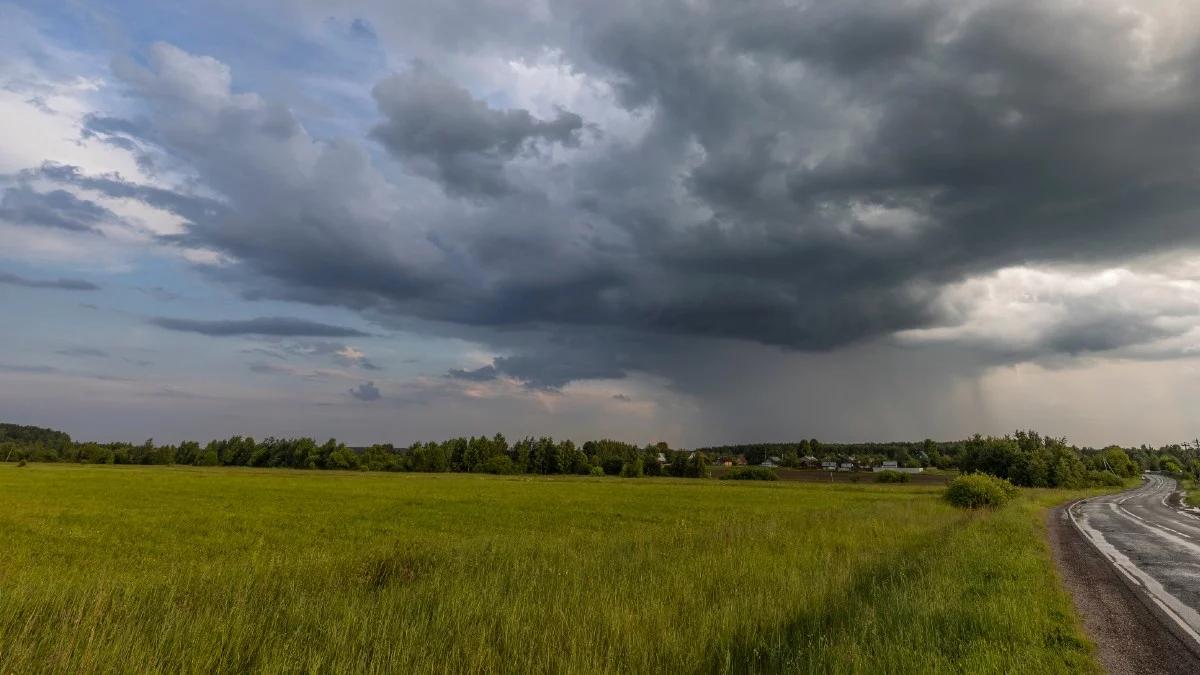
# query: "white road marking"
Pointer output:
{"type": "Point", "coordinates": [1183, 615]}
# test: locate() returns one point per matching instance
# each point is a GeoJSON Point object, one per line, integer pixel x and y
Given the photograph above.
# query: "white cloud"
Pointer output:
{"type": "Point", "coordinates": [1031, 311]}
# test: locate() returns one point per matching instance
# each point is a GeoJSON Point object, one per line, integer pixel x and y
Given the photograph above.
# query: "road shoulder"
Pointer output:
{"type": "Point", "coordinates": [1129, 638]}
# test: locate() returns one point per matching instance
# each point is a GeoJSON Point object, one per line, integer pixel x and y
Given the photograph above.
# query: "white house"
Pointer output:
{"type": "Point", "coordinates": [892, 465]}
{"type": "Point", "coordinates": [768, 463]}
{"type": "Point", "coordinates": [829, 466]}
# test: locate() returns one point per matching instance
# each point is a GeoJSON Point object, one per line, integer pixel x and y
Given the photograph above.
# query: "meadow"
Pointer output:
{"type": "Point", "coordinates": [202, 570]}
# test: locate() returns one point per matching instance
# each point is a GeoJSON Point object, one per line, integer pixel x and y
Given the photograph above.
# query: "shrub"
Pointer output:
{"type": "Point", "coordinates": [612, 465]}
{"type": "Point", "coordinates": [889, 476]}
{"type": "Point", "coordinates": [499, 464]}
{"type": "Point", "coordinates": [750, 473]}
{"type": "Point", "coordinates": [632, 469]}
{"type": "Point", "coordinates": [597, 471]}
{"type": "Point", "coordinates": [21, 463]}
{"type": "Point", "coordinates": [977, 490]}
{"type": "Point", "coordinates": [1104, 479]}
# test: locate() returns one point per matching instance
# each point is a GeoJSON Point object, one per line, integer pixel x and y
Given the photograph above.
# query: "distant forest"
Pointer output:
{"type": "Point", "coordinates": [1026, 457]}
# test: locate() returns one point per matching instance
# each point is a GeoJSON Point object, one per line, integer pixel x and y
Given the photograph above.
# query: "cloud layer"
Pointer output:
{"type": "Point", "coordinates": [60, 283]}
{"type": "Point", "coordinates": [586, 193]}
{"type": "Point", "coordinates": [277, 326]}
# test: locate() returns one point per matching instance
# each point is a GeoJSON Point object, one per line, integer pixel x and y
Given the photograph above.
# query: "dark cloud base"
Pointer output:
{"type": "Point", "coordinates": [272, 326]}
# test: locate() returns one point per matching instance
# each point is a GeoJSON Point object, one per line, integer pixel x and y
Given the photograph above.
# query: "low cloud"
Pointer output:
{"type": "Point", "coordinates": [366, 392]}
{"type": "Point", "coordinates": [272, 326]}
{"type": "Point", "coordinates": [60, 283]}
{"type": "Point", "coordinates": [56, 209]}
{"type": "Point", "coordinates": [1022, 312]}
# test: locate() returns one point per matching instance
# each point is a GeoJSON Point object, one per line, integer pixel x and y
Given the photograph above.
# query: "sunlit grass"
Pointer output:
{"type": "Point", "coordinates": [128, 569]}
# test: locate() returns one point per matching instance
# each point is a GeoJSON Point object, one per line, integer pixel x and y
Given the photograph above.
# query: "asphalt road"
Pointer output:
{"type": "Point", "coordinates": [1155, 544]}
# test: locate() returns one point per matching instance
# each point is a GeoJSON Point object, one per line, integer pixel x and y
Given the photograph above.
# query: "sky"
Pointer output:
{"type": "Point", "coordinates": [697, 222]}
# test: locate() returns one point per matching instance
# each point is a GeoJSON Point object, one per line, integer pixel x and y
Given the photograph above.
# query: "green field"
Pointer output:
{"type": "Point", "coordinates": [131, 569]}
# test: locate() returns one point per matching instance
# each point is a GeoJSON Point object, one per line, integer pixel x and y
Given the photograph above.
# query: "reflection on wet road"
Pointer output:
{"type": "Point", "coordinates": [1153, 543]}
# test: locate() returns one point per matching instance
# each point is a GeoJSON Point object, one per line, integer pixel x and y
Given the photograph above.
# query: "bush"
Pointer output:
{"type": "Point", "coordinates": [597, 471]}
{"type": "Point", "coordinates": [21, 463]}
{"type": "Point", "coordinates": [612, 465]}
{"type": "Point", "coordinates": [632, 469]}
{"type": "Point", "coordinates": [750, 473]}
{"type": "Point", "coordinates": [1105, 479]}
{"type": "Point", "coordinates": [499, 464]}
{"type": "Point", "coordinates": [889, 476]}
{"type": "Point", "coordinates": [977, 490]}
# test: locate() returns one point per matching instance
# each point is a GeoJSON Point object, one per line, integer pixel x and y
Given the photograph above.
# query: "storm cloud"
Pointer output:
{"type": "Point", "coordinates": [809, 177]}
{"type": "Point", "coordinates": [430, 120]}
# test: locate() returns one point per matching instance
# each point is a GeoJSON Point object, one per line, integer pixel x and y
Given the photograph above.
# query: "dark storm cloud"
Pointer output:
{"type": "Point", "coordinates": [551, 360]}
{"type": "Point", "coordinates": [430, 120]}
{"type": "Point", "coordinates": [56, 208]}
{"type": "Point", "coordinates": [61, 283]}
{"type": "Point", "coordinates": [274, 326]}
{"type": "Point", "coordinates": [806, 177]}
{"type": "Point", "coordinates": [366, 391]}
{"type": "Point", "coordinates": [481, 374]}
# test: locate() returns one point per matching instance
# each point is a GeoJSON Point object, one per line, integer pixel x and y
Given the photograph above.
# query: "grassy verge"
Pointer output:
{"type": "Point", "coordinates": [1191, 492]}
{"type": "Point", "coordinates": [234, 570]}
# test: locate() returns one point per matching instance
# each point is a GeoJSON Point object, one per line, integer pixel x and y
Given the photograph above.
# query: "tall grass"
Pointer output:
{"type": "Point", "coordinates": [127, 569]}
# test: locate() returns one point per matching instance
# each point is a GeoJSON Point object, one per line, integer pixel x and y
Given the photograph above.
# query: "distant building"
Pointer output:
{"type": "Point", "coordinates": [829, 466]}
{"type": "Point", "coordinates": [768, 462]}
{"type": "Point", "coordinates": [846, 466]}
{"type": "Point", "coordinates": [895, 466]}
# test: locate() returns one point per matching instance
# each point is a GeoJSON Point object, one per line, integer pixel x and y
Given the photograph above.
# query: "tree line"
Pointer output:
{"type": "Point", "coordinates": [1025, 458]}
{"type": "Point", "coordinates": [481, 454]}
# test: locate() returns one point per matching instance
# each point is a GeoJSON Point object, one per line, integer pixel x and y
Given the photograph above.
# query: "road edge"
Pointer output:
{"type": "Point", "coordinates": [1166, 617]}
{"type": "Point", "coordinates": [1119, 620]}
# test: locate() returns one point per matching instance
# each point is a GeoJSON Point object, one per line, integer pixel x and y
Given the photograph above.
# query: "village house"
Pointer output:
{"type": "Point", "coordinates": [893, 465]}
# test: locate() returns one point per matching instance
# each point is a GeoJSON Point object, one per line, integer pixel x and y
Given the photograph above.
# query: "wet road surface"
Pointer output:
{"type": "Point", "coordinates": [1153, 544]}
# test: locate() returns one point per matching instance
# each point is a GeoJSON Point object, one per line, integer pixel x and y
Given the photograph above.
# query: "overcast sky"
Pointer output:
{"type": "Point", "coordinates": [699, 222]}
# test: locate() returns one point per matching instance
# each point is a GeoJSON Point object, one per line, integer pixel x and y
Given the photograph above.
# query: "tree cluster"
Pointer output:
{"type": "Point", "coordinates": [473, 454]}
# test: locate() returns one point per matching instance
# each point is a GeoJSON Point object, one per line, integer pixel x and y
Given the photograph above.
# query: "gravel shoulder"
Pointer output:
{"type": "Point", "coordinates": [1129, 637]}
